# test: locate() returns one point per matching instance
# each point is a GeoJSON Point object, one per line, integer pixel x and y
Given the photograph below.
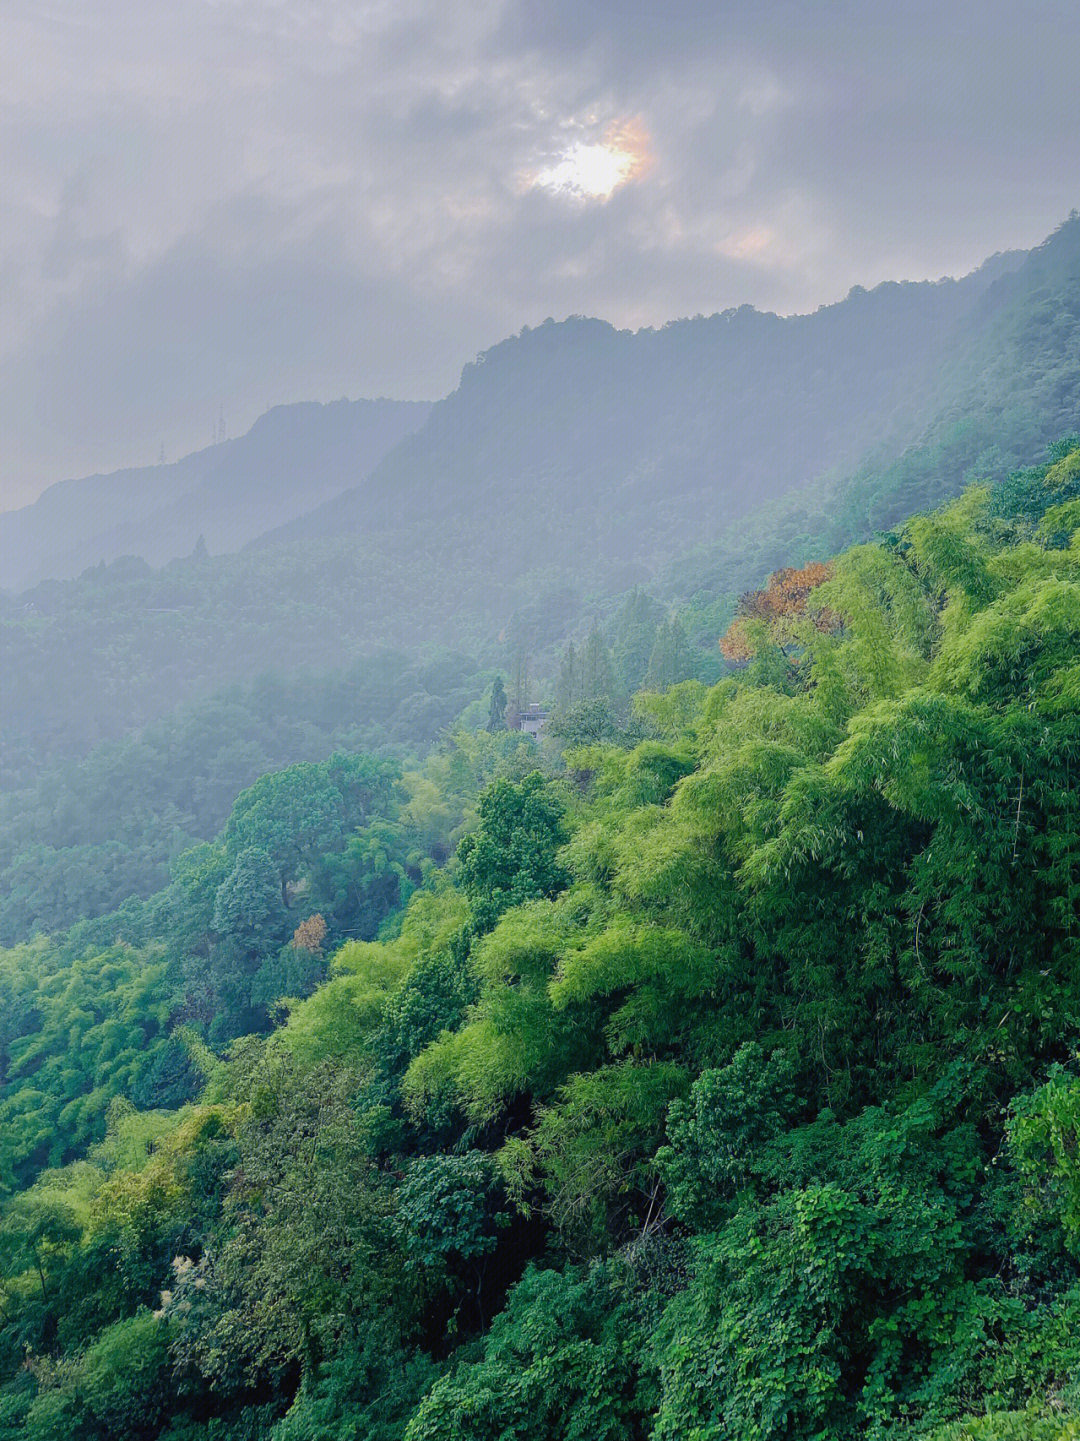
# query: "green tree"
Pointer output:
{"type": "Point", "coordinates": [450, 1212]}
{"type": "Point", "coordinates": [597, 675]}
{"type": "Point", "coordinates": [635, 639]}
{"type": "Point", "coordinates": [496, 720]}
{"type": "Point", "coordinates": [511, 856]}
{"type": "Point", "coordinates": [568, 687]}
{"type": "Point", "coordinates": [669, 658]}
{"type": "Point", "coordinates": [248, 907]}
{"type": "Point", "coordinates": [288, 816]}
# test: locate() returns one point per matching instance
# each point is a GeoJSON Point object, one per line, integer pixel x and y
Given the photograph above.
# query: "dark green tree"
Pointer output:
{"type": "Point", "coordinates": [568, 688]}
{"type": "Point", "coordinates": [248, 908]}
{"type": "Point", "coordinates": [496, 720]}
{"type": "Point", "coordinates": [597, 676]}
{"type": "Point", "coordinates": [635, 637]}
{"type": "Point", "coordinates": [669, 659]}
{"type": "Point", "coordinates": [291, 815]}
{"type": "Point", "coordinates": [511, 856]}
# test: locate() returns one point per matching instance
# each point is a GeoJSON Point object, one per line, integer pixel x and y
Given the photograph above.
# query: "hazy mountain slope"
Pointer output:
{"type": "Point", "coordinates": [603, 448]}
{"type": "Point", "coordinates": [294, 457]}
{"type": "Point", "coordinates": [775, 1048]}
{"type": "Point", "coordinates": [1008, 385]}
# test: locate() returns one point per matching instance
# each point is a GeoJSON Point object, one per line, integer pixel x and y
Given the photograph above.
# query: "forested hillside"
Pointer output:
{"type": "Point", "coordinates": [79, 834]}
{"type": "Point", "coordinates": [293, 458]}
{"type": "Point", "coordinates": [574, 463]}
{"type": "Point", "coordinates": [1010, 379]}
{"type": "Point", "coordinates": [87, 833]}
{"type": "Point", "coordinates": [606, 449]}
{"type": "Point", "coordinates": [709, 1071]}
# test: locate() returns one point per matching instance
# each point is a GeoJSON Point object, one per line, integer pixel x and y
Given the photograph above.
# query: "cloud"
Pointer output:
{"type": "Point", "coordinates": [240, 202]}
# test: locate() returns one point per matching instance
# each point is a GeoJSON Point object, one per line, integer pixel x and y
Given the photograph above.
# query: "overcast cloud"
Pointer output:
{"type": "Point", "coordinates": [233, 203]}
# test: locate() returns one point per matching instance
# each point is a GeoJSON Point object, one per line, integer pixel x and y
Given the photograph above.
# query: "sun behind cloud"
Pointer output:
{"type": "Point", "coordinates": [594, 170]}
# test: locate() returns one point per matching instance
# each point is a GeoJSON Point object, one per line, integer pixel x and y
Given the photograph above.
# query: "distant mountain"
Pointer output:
{"type": "Point", "coordinates": [293, 458]}
{"type": "Point", "coordinates": [604, 452]}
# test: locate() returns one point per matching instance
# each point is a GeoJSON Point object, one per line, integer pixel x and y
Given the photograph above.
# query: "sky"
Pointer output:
{"type": "Point", "coordinates": [208, 207]}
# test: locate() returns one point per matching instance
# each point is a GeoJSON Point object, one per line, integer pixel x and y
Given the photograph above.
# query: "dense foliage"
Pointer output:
{"type": "Point", "coordinates": [710, 1072]}
{"type": "Point", "coordinates": [81, 834]}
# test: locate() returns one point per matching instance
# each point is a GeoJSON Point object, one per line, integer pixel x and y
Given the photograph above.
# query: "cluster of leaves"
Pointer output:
{"type": "Point", "coordinates": [776, 611]}
{"type": "Point", "coordinates": [722, 1083]}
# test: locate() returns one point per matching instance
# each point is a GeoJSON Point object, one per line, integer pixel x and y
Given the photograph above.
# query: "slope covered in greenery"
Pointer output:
{"type": "Point", "coordinates": [1009, 379]}
{"type": "Point", "coordinates": [716, 1081]}
{"type": "Point", "coordinates": [79, 835]}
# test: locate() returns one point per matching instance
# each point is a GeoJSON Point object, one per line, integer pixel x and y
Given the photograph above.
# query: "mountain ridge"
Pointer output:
{"type": "Point", "coordinates": [610, 413]}
{"type": "Point", "coordinates": [160, 512]}
{"type": "Point", "coordinates": [225, 493]}
{"type": "Point", "coordinates": [492, 554]}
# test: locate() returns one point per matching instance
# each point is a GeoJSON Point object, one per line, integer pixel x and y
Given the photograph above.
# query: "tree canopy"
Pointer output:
{"type": "Point", "coordinates": [714, 1074]}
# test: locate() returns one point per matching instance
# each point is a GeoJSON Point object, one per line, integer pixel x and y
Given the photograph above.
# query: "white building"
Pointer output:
{"type": "Point", "coordinates": [533, 720]}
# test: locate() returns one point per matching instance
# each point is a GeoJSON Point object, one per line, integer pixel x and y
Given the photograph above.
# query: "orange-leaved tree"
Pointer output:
{"type": "Point", "coordinates": [773, 613]}
{"type": "Point", "coordinates": [310, 934]}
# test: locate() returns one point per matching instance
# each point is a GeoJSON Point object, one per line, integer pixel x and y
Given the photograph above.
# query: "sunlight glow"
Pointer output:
{"type": "Point", "coordinates": [594, 171]}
